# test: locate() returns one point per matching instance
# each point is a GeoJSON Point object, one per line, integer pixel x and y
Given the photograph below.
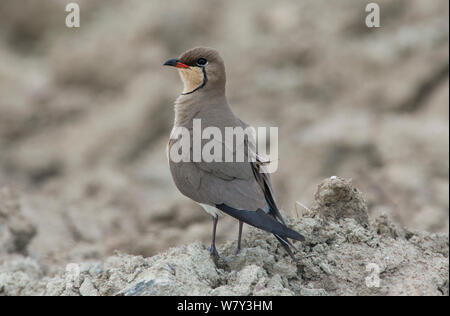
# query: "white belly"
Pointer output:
{"type": "Point", "coordinates": [211, 210]}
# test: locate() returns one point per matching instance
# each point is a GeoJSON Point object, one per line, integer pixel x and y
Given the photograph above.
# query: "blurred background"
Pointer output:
{"type": "Point", "coordinates": [85, 113]}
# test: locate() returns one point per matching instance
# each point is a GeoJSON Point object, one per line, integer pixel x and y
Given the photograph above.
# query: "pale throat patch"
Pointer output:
{"type": "Point", "coordinates": [192, 78]}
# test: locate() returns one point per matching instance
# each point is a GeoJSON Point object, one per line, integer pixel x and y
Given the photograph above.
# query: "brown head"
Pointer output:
{"type": "Point", "coordinates": [200, 68]}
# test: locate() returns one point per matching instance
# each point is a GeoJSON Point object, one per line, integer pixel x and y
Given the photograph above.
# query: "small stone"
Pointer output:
{"type": "Point", "coordinates": [87, 288]}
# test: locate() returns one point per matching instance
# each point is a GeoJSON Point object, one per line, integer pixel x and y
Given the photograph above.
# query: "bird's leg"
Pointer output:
{"type": "Point", "coordinates": [213, 249]}
{"type": "Point", "coordinates": [238, 249]}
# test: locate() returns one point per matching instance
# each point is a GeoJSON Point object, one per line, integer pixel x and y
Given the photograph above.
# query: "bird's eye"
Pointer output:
{"type": "Point", "coordinates": [201, 62]}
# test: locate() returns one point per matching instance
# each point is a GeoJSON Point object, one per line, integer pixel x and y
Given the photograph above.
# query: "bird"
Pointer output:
{"type": "Point", "coordinates": [239, 189]}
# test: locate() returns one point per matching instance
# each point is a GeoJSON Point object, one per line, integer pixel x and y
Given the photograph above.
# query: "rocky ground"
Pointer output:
{"type": "Point", "coordinates": [85, 116]}
{"type": "Point", "coordinates": [343, 254]}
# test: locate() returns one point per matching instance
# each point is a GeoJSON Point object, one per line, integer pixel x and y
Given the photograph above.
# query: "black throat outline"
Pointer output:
{"type": "Point", "coordinates": [205, 79]}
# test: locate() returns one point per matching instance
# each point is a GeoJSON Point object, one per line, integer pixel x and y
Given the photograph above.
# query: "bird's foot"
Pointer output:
{"type": "Point", "coordinates": [238, 250]}
{"type": "Point", "coordinates": [214, 254]}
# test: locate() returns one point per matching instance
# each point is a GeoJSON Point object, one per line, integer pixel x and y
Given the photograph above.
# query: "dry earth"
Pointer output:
{"type": "Point", "coordinates": [343, 254]}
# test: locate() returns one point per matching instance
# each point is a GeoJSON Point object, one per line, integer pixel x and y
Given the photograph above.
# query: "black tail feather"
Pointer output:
{"type": "Point", "coordinates": [286, 245]}
{"type": "Point", "coordinates": [263, 221]}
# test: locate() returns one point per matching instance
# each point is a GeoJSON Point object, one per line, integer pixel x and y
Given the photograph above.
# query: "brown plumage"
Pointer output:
{"type": "Point", "coordinates": [238, 189]}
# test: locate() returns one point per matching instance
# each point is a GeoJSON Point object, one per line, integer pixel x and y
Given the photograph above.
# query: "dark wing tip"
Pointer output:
{"type": "Point", "coordinates": [295, 235]}
{"type": "Point", "coordinates": [300, 237]}
{"type": "Point", "coordinates": [287, 232]}
{"type": "Point", "coordinates": [261, 220]}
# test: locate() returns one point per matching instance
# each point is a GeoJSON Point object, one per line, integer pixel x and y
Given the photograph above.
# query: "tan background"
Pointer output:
{"type": "Point", "coordinates": [85, 113]}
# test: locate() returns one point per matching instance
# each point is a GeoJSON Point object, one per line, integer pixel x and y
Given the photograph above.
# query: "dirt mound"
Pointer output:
{"type": "Point", "coordinates": [341, 256]}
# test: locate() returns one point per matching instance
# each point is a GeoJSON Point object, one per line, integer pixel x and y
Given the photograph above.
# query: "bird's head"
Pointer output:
{"type": "Point", "coordinates": [200, 68]}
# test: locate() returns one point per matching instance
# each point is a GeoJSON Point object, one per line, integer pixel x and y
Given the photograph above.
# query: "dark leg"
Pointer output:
{"type": "Point", "coordinates": [213, 249]}
{"type": "Point", "coordinates": [238, 249]}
